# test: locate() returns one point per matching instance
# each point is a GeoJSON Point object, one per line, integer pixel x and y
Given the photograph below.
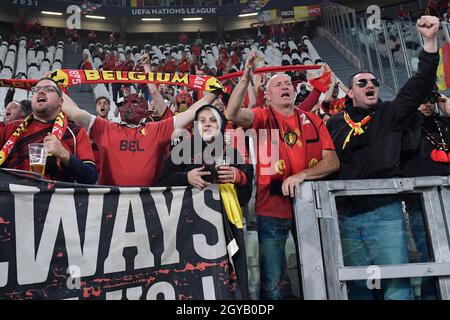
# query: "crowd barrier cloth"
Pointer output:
{"type": "Point", "coordinates": [68, 241]}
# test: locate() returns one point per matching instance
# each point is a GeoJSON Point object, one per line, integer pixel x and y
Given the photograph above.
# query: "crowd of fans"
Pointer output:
{"type": "Point", "coordinates": [347, 134]}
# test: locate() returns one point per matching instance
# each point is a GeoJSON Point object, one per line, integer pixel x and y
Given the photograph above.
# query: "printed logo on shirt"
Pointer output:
{"type": "Point", "coordinates": [280, 167]}
{"type": "Point", "coordinates": [132, 146]}
{"type": "Point", "coordinates": [312, 162]}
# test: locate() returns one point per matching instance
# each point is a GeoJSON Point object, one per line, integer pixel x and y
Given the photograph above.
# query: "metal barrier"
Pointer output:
{"type": "Point", "coordinates": [323, 273]}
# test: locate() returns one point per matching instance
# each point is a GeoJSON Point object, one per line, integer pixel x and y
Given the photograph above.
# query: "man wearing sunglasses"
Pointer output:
{"type": "Point", "coordinates": [70, 154]}
{"type": "Point", "coordinates": [368, 140]}
{"type": "Point", "coordinates": [430, 158]}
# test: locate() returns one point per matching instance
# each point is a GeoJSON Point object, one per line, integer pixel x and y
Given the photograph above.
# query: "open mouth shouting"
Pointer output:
{"type": "Point", "coordinates": [370, 94]}
{"type": "Point", "coordinates": [41, 98]}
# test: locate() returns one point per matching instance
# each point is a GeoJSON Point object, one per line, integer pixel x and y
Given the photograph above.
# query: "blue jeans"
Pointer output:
{"type": "Point", "coordinates": [272, 236]}
{"type": "Point", "coordinates": [376, 237]}
{"type": "Point", "coordinates": [418, 228]}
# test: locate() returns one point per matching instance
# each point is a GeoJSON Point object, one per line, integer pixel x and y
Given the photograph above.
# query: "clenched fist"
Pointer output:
{"type": "Point", "coordinates": [428, 27]}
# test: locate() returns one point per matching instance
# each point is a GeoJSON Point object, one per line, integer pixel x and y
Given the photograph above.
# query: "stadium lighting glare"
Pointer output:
{"type": "Point", "coordinates": [52, 13]}
{"type": "Point", "coordinates": [151, 19]}
{"type": "Point", "coordinates": [243, 15]}
{"type": "Point", "coordinates": [192, 19]}
{"type": "Point", "coordinates": [95, 17]}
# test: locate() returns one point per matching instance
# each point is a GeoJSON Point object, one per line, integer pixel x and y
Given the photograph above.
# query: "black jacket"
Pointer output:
{"type": "Point", "coordinates": [176, 174]}
{"type": "Point", "coordinates": [376, 153]}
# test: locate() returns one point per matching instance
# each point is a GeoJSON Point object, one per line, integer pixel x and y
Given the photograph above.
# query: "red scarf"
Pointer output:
{"type": "Point", "coordinates": [59, 129]}
{"type": "Point", "coordinates": [299, 147]}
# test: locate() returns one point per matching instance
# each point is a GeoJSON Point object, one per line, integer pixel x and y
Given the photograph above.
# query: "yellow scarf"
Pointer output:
{"type": "Point", "coordinates": [231, 204]}
{"type": "Point", "coordinates": [356, 127]}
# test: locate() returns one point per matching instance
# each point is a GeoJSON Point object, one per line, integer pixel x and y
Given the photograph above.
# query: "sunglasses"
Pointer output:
{"type": "Point", "coordinates": [363, 82]}
{"type": "Point", "coordinates": [46, 89]}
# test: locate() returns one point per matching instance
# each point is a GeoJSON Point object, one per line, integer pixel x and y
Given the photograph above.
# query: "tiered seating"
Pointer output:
{"type": "Point", "coordinates": [17, 62]}
{"type": "Point", "coordinates": [411, 39]}
{"type": "Point", "coordinates": [101, 89]}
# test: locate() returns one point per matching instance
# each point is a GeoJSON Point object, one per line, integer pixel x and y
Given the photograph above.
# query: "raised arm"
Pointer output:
{"type": "Point", "coordinates": [417, 88]}
{"type": "Point", "coordinates": [81, 117]}
{"type": "Point", "coordinates": [160, 106]}
{"type": "Point", "coordinates": [242, 117]}
{"type": "Point", "coordinates": [330, 90]}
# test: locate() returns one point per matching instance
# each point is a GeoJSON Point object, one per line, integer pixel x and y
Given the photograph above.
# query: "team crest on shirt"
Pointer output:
{"type": "Point", "coordinates": [290, 138]}
{"type": "Point", "coordinates": [2, 157]}
{"type": "Point", "coordinates": [312, 162]}
{"type": "Point", "coordinates": [280, 167]}
{"type": "Point", "coordinates": [143, 131]}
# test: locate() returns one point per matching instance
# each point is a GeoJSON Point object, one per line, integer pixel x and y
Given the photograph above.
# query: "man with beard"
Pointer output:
{"type": "Point", "coordinates": [70, 155]}
{"type": "Point", "coordinates": [368, 140]}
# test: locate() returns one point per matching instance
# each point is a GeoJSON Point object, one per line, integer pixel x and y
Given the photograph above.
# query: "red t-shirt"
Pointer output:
{"type": "Point", "coordinates": [304, 153]}
{"type": "Point", "coordinates": [35, 133]}
{"type": "Point", "coordinates": [170, 67]}
{"type": "Point", "coordinates": [86, 65]}
{"type": "Point", "coordinates": [184, 66]}
{"type": "Point", "coordinates": [131, 156]}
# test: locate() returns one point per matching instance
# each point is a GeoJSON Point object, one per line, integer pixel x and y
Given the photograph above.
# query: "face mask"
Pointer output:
{"type": "Point", "coordinates": [134, 109]}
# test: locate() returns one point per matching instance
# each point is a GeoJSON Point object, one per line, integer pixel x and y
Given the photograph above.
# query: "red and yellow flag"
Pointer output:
{"type": "Point", "coordinates": [136, 3]}
{"type": "Point", "coordinates": [443, 71]}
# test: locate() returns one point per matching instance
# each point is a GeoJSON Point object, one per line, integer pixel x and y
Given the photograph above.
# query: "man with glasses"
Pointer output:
{"type": "Point", "coordinates": [430, 158]}
{"type": "Point", "coordinates": [368, 141]}
{"type": "Point", "coordinates": [70, 154]}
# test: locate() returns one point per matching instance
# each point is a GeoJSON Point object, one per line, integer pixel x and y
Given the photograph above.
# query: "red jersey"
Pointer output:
{"type": "Point", "coordinates": [35, 133]}
{"type": "Point", "coordinates": [170, 67]}
{"type": "Point", "coordinates": [86, 65]}
{"type": "Point", "coordinates": [184, 66]}
{"type": "Point", "coordinates": [335, 106]}
{"type": "Point", "coordinates": [131, 156]}
{"type": "Point", "coordinates": [300, 141]}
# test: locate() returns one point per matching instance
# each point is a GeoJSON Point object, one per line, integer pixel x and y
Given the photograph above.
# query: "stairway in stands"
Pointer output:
{"type": "Point", "coordinates": [341, 67]}
{"type": "Point", "coordinates": [85, 100]}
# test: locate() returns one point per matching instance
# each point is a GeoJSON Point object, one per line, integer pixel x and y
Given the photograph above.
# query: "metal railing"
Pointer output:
{"type": "Point", "coordinates": [321, 255]}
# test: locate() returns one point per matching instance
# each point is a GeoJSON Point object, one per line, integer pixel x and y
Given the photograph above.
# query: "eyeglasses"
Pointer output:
{"type": "Point", "coordinates": [363, 82]}
{"type": "Point", "coordinates": [47, 89]}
